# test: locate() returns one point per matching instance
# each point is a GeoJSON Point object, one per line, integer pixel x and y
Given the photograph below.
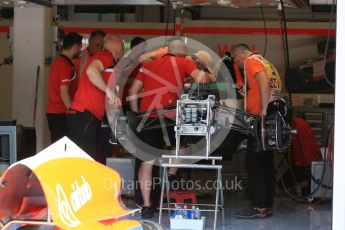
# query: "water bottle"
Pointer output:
{"type": "Point", "coordinates": [178, 214]}
{"type": "Point", "coordinates": [173, 213]}
{"type": "Point", "coordinates": [192, 213]}
{"type": "Point", "coordinates": [185, 212]}
{"type": "Point", "coordinates": [197, 214]}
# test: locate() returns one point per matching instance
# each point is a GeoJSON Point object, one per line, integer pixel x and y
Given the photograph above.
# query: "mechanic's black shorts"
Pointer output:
{"type": "Point", "coordinates": [154, 135]}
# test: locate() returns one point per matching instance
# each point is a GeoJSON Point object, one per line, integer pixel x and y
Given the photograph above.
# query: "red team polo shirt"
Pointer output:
{"type": "Point", "coordinates": [163, 80]}
{"type": "Point", "coordinates": [88, 96]}
{"type": "Point", "coordinates": [79, 64]}
{"type": "Point", "coordinates": [62, 72]}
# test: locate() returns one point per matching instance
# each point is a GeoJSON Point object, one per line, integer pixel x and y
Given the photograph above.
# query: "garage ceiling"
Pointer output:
{"type": "Point", "coordinates": [105, 2]}
{"type": "Point", "coordinates": [229, 3]}
{"type": "Point", "coordinates": [184, 3]}
{"type": "Point", "coordinates": [239, 3]}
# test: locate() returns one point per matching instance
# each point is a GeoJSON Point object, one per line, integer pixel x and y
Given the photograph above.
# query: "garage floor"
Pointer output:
{"type": "Point", "coordinates": [288, 215]}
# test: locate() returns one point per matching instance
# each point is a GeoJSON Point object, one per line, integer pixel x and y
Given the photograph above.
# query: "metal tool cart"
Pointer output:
{"type": "Point", "coordinates": [194, 118]}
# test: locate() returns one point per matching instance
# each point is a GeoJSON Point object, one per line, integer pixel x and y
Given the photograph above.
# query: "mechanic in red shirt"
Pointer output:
{"type": "Point", "coordinates": [88, 107]}
{"type": "Point", "coordinates": [158, 85]}
{"type": "Point", "coordinates": [61, 75]}
{"type": "Point", "coordinates": [95, 45]}
{"type": "Point", "coordinates": [127, 69]}
{"type": "Point", "coordinates": [263, 86]}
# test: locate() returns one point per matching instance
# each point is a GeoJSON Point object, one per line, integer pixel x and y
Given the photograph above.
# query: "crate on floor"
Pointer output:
{"type": "Point", "coordinates": [191, 224]}
{"type": "Point", "coordinates": [183, 197]}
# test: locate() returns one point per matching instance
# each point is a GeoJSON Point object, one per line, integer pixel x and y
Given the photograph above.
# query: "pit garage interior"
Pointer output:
{"type": "Point", "coordinates": [301, 38]}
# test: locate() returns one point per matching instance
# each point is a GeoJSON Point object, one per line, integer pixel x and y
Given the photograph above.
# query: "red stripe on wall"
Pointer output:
{"type": "Point", "coordinates": [131, 31]}
{"type": "Point", "coordinates": [247, 31]}
{"type": "Point", "coordinates": [196, 30]}
{"type": "Point", "coordinates": [178, 27]}
{"type": "Point", "coordinates": [204, 30]}
{"type": "Point", "coordinates": [4, 29]}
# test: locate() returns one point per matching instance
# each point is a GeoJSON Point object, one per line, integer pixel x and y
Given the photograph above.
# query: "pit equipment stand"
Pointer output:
{"type": "Point", "coordinates": [194, 118]}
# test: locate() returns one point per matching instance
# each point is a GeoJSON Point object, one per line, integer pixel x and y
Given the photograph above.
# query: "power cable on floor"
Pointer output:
{"type": "Point", "coordinates": [319, 182]}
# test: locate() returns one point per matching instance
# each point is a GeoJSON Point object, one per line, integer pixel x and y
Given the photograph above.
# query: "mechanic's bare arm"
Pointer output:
{"type": "Point", "coordinates": [65, 96]}
{"type": "Point", "coordinates": [147, 57]}
{"type": "Point", "coordinates": [265, 90]}
{"type": "Point", "coordinates": [94, 73]}
{"type": "Point", "coordinates": [202, 77]}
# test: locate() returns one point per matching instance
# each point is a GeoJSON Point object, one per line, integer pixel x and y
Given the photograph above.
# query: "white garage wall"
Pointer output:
{"type": "Point", "coordinates": [339, 156]}
{"type": "Point", "coordinates": [28, 53]}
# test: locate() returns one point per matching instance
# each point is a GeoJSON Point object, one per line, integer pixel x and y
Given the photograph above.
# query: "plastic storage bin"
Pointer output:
{"type": "Point", "coordinates": [190, 224]}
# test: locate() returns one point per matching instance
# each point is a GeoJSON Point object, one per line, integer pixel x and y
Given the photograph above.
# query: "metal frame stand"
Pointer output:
{"type": "Point", "coordinates": [194, 118]}
{"type": "Point", "coordinates": [219, 200]}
